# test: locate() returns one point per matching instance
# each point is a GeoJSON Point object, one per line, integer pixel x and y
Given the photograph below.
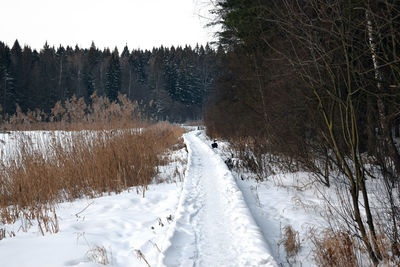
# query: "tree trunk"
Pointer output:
{"type": "Point", "coordinates": [59, 79]}
{"type": "Point", "coordinates": [382, 117]}
{"type": "Point", "coordinates": [371, 132]}
{"type": "Point", "coordinates": [370, 221]}
{"type": "Point", "coordinates": [260, 90]}
{"type": "Point", "coordinates": [130, 82]}
{"type": "Point", "coordinates": [358, 219]}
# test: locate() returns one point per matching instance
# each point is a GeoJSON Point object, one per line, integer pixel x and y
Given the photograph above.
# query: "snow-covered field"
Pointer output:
{"type": "Point", "coordinates": [116, 227]}
{"type": "Point", "coordinates": [212, 218]}
{"type": "Point", "coordinates": [119, 229]}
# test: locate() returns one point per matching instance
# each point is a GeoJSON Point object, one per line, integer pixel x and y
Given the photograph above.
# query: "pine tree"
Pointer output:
{"type": "Point", "coordinates": [16, 72]}
{"type": "Point", "coordinates": [48, 82]}
{"type": "Point", "coordinates": [60, 57]}
{"type": "Point", "coordinates": [7, 91]}
{"type": "Point", "coordinates": [26, 83]}
{"type": "Point", "coordinates": [127, 75]}
{"type": "Point", "coordinates": [90, 70]}
{"type": "Point", "coordinates": [113, 82]}
{"type": "Point", "coordinates": [7, 94]}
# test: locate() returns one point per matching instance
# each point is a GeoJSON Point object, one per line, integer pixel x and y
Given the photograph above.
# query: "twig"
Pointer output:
{"type": "Point", "coordinates": [84, 209]}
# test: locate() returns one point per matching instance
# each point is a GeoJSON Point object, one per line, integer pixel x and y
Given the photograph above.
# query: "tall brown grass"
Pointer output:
{"type": "Point", "coordinates": [75, 114]}
{"type": "Point", "coordinates": [291, 243]}
{"type": "Point", "coordinates": [341, 248]}
{"type": "Point", "coordinates": [81, 163]}
{"type": "Point", "coordinates": [108, 161]}
{"type": "Point", "coordinates": [336, 248]}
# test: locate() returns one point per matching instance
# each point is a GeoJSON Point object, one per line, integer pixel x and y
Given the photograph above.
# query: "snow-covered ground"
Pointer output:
{"type": "Point", "coordinates": [284, 199]}
{"type": "Point", "coordinates": [119, 227]}
{"type": "Point", "coordinates": [123, 229]}
{"type": "Point", "coordinates": [213, 218]}
{"type": "Point", "coordinates": [213, 226]}
{"type": "Point", "coordinates": [277, 203]}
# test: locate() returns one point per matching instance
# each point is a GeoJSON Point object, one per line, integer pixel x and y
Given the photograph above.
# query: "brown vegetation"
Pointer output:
{"type": "Point", "coordinates": [74, 114]}
{"type": "Point", "coordinates": [291, 242]}
{"type": "Point", "coordinates": [81, 163]}
{"type": "Point", "coordinates": [335, 249]}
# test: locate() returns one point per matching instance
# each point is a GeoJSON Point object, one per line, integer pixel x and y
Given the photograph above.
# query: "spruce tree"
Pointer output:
{"type": "Point", "coordinates": [7, 95]}
{"type": "Point", "coordinates": [16, 71]}
{"type": "Point", "coordinates": [113, 82]}
{"type": "Point", "coordinates": [90, 70]}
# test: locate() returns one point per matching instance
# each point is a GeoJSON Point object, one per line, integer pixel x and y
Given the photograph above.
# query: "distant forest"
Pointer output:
{"type": "Point", "coordinates": [170, 83]}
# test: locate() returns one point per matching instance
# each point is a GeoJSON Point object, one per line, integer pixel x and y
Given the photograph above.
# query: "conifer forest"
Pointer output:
{"type": "Point", "coordinates": [170, 83]}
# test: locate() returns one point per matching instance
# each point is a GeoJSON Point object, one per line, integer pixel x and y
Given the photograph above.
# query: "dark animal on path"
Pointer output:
{"type": "Point", "coordinates": [169, 218]}
{"type": "Point", "coordinates": [214, 145]}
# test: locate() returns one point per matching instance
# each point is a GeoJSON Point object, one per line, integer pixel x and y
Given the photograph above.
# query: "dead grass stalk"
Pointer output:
{"type": "Point", "coordinates": [85, 164]}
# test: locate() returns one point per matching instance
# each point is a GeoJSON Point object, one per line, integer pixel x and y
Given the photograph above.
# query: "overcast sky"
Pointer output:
{"type": "Point", "coordinates": [109, 23]}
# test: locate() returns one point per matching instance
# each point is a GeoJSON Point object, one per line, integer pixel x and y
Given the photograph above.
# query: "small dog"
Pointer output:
{"type": "Point", "coordinates": [214, 145]}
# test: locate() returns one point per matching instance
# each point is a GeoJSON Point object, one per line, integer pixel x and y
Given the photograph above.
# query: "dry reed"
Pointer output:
{"type": "Point", "coordinates": [335, 249]}
{"type": "Point", "coordinates": [110, 161]}
{"type": "Point", "coordinates": [82, 163]}
{"type": "Point", "coordinates": [291, 242]}
{"type": "Point", "coordinates": [75, 114]}
{"type": "Point", "coordinates": [99, 254]}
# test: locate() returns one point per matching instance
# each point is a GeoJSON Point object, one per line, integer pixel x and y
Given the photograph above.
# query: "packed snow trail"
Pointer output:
{"type": "Point", "coordinates": [213, 225]}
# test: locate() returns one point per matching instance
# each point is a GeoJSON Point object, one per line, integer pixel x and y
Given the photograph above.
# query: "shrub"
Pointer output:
{"type": "Point", "coordinates": [335, 249]}
{"type": "Point", "coordinates": [291, 242]}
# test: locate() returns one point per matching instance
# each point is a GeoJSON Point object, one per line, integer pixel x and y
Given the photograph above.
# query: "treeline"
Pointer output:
{"type": "Point", "coordinates": [315, 84]}
{"type": "Point", "coordinates": [171, 83]}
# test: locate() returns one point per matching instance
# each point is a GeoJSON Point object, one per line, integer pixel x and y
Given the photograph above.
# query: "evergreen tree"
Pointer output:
{"type": "Point", "coordinates": [113, 82]}
{"type": "Point", "coordinates": [7, 93]}
{"type": "Point", "coordinates": [127, 76]}
{"type": "Point", "coordinates": [90, 70]}
{"type": "Point", "coordinates": [16, 71]}
{"type": "Point", "coordinates": [48, 83]}
{"type": "Point", "coordinates": [26, 68]}
{"type": "Point", "coordinates": [60, 58]}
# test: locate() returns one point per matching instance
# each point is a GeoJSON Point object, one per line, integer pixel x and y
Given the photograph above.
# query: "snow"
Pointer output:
{"type": "Point", "coordinates": [120, 223]}
{"type": "Point", "coordinates": [116, 226]}
{"type": "Point", "coordinates": [282, 199]}
{"type": "Point", "coordinates": [210, 216]}
{"type": "Point", "coordinates": [275, 207]}
{"type": "Point", "coordinates": [213, 226]}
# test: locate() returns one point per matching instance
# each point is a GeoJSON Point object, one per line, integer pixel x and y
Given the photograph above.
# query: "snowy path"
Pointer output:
{"type": "Point", "coordinates": [214, 226]}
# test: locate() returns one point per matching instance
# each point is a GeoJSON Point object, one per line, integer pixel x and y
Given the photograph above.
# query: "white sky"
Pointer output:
{"type": "Point", "coordinates": [109, 23]}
